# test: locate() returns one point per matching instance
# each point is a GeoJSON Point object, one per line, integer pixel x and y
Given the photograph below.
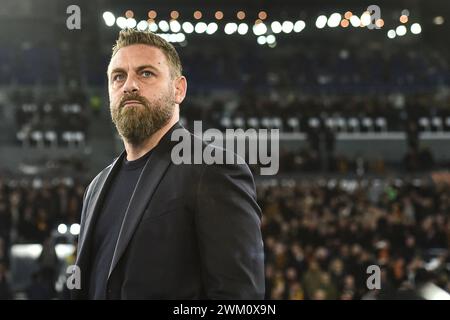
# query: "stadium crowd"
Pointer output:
{"type": "Point", "coordinates": [320, 237]}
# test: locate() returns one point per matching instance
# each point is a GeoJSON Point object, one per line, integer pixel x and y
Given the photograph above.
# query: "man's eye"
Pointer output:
{"type": "Point", "coordinates": [147, 74]}
{"type": "Point", "coordinates": [118, 77]}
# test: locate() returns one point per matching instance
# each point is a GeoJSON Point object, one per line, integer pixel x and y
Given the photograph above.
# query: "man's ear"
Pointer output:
{"type": "Point", "coordinates": [180, 89]}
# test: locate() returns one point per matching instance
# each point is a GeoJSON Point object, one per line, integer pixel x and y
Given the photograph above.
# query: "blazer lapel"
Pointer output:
{"type": "Point", "coordinates": [148, 181]}
{"type": "Point", "coordinates": [92, 209]}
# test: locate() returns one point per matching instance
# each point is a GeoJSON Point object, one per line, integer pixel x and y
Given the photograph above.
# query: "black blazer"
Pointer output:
{"type": "Point", "coordinates": [190, 232]}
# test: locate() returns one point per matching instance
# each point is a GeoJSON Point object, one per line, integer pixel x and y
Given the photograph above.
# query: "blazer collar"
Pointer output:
{"type": "Point", "coordinates": [148, 181]}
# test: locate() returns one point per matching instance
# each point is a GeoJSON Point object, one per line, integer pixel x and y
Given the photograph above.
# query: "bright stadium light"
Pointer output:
{"type": "Point", "coordinates": [163, 25]}
{"type": "Point", "coordinates": [438, 20]}
{"type": "Point", "coordinates": [230, 28]}
{"type": "Point", "coordinates": [211, 28]}
{"type": "Point", "coordinates": [261, 40]}
{"type": "Point", "coordinates": [173, 37]}
{"type": "Point", "coordinates": [75, 229]}
{"type": "Point", "coordinates": [142, 25]}
{"type": "Point", "coordinates": [400, 30]}
{"type": "Point", "coordinates": [64, 250]}
{"type": "Point", "coordinates": [131, 23]}
{"type": "Point", "coordinates": [391, 34]}
{"type": "Point", "coordinates": [270, 39]}
{"type": "Point", "coordinates": [164, 36]}
{"type": "Point", "coordinates": [287, 26]}
{"type": "Point", "coordinates": [109, 18]}
{"type": "Point", "coordinates": [188, 27]}
{"type": "Point", "coordinates": [334, 20]}
{"type": "Point", "coordinates": [365, 19]}
{"type": "Point", "coordinates": [243, 28]}
{"type": "Point", "coordinates": [299, 26]}
{"type": "Point", "coordinates": [276, 27]}
{"type": "Point", "coordinates": [200, 27]}
{"type": "Point", "coordinates": [321, 21]}
{"type": "Point", "coordinates": [175, 26]}
{"type": "Point", "coordinates": [259, 29]}
{"type": "Point", "coordinates": [62, 229]}
{"type": "Point", "coordinates": [416, 28]}
{"type": "Point", "coordinates": [153, 27]}
{"type": "Point", "coordinates": [180, 37]}
{"type": "Point", "coordinates": [355, 21]}
{"type": "Point", "coordinates": [32, 251]}
{"type": "Point", "coordinates": [121, 22]}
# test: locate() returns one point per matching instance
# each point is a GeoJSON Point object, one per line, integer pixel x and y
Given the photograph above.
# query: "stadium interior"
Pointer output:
{"type": "Point", "coordinates": [362, 106]}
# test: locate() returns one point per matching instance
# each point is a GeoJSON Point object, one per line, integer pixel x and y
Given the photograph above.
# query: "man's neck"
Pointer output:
{"type": "Point", "coordinates": [134, 151]}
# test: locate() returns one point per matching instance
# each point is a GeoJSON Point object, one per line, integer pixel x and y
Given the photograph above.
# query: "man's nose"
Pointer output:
{"type": "Point", "coordinates": [130, 85]}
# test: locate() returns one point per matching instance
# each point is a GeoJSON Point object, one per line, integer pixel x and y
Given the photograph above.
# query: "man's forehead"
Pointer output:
{"type": "Point", "coordinates": [136, 55]}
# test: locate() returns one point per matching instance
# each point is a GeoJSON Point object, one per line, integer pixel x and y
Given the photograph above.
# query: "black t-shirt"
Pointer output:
{"type": "Point", "coordinates": [109, 222]}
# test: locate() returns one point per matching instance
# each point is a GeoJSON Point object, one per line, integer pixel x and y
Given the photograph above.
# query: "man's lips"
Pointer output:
{"type": "Point", "coordinates": [131, 102]}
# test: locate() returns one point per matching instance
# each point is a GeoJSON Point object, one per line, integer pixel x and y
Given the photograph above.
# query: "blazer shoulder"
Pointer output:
{"type": "Point", "coordinates": [100, 176]}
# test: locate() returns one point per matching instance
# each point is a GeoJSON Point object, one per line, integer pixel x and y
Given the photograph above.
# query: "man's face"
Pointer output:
{"type": "Point", "coordinates": [142, 94]}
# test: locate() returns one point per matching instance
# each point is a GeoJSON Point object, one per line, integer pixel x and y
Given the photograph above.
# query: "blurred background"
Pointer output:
{"type": "Point", "coordinates": [363, 114]}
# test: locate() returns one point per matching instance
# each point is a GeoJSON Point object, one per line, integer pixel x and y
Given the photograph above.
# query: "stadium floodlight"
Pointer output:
{"type": "Point", "coordinates": [153, 27]}
{"type": "Point", "coordinates": [163, 25]}
{"type": "Point", "coordinates": [365, 19]}
{"type": "Point", "coordinates": [165, 36]}
{"type": "Point", "coordinates": [270, 39]}
{"type": "Point", "coordinates": [401, 30]}
{"type": "Point", "coordinates": [391, 34]}
{"type": "Point", "coordinates": [211, 28]}
{"type": "Point", "coordinates": [321, 21]}
{"type": "Point", "coordinates": [334, 20]}
{"type": "Point", "coordinates": [64, 250]}
{"type": "Point", "coordinates": [173, 37]}
{"type": "Point", "coordinates": [287, 26]}
{"type": "Point", "coordinates": [243, 28]}
{"type": "Point", "coordinates": [180, 37]}
{"type": "Point", "coordinates": [230, 28]}
{"type": "Point", "coordinates": [32, 251]}
{"type": "Point", "coordinates": [131, 23]}
{"type": "Point", "coordinates": [188, 27]}
{"type": "Point", "coordinates": [121, 22]}
{"type": "Point", "coordinates": [75, 229]}
{"type": "Point", "coordinates": [355, 21]}
{"type": "Point", "coordinates": [200, 27]}
{"type": "Point", "coordinates": [438, 20]}
{"type": "Point", "coordinates": [142, 25]}
{"type": "Point", "coordinates": [261, 40]}
{"type": "Point", "coordinates": [109, 18]}
{"type": "Point", "coordinates": [62, 229]}
{"type": "Point", "coordinates": [259, 29]}
{"type": "Point", "coordinates": [430, 291]}
{"type": "Point", "coordinates": [175, 26]}
{"type": "Point", "coordinates": [276, 27]}
{"type": "Point", "coordinates": [416, 28]}
{"type": "Point", "coordinates": [299, 26]}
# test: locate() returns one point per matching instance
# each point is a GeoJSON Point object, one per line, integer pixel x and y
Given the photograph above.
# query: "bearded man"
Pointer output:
{"type": "Point", "coordinates": [153, 229]}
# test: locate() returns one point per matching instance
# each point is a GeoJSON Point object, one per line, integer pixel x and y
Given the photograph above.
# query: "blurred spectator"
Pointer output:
{"type": "Point", "coordinates": [5, 290]}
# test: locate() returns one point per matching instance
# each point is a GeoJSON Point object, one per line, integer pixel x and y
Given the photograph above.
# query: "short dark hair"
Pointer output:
{"type": "Point", "coordinates": [132, 36]}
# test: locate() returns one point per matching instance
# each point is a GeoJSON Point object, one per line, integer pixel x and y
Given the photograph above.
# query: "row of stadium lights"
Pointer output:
{"type": "Point", "coordinates": [336, 19]}
{"type": "Point", "coordinates": [175, 27]}
{"type": "Point", "coordinates": [401, 30]}
{"type": "Point", "coordinates": [259, 28]}
{"type": "Point", "coordinates": [74, 229]}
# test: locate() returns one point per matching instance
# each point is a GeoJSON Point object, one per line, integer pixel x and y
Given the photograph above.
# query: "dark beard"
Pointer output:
{"type": "Point", "coordinates": [135, 124]}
